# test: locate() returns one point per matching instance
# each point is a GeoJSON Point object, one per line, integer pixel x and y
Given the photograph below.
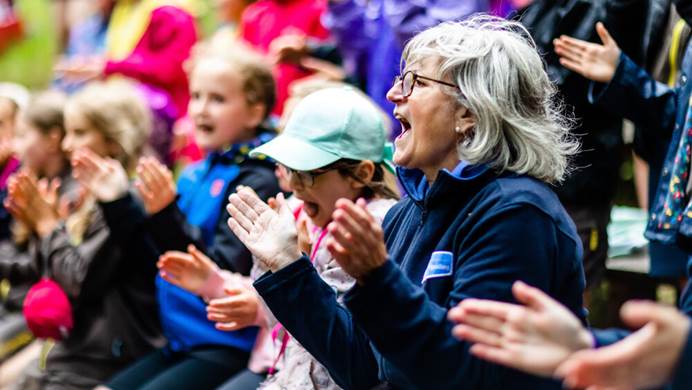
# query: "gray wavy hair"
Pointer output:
{"type": "Point", "coordinates": [519, 122]}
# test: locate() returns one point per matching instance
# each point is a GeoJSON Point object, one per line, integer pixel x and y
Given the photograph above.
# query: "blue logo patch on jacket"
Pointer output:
{"type": "Point", "coordinates": [440, 265]}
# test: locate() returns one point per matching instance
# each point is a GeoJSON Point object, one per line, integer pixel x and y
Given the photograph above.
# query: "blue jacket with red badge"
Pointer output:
{"type": "Point", "coordinates": [199, 217]}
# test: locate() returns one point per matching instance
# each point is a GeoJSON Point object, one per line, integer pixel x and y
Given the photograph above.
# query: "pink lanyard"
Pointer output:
{"type": "Point", "coordinates": [279, 327]}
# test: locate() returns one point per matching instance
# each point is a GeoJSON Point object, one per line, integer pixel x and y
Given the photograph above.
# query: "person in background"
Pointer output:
{"type": "Point", "coordinates": [37, 145]}
{"type": "Point", "coordinates": [86, 39]}
{"type": "Point", "coordinates": [588, 192]}
{"type": "Point", "coordinates": [13, 98]}
{"type": "Point", "coordinates": [147, 41]}
{"type": "Point", "coordinates": [94, 256]}
{"type": "Point", "coordinates": [232, 93]}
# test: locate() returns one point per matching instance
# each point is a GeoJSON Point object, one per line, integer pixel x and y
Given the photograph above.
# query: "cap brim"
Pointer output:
{"type": "Point", "coordinates": [295, 153]}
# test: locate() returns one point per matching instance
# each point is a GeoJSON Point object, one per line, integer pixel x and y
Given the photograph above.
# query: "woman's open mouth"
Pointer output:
{"type": "Point", "coordinates": [405, 125]}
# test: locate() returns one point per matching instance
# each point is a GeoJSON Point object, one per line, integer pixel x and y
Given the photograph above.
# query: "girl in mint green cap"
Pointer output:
{"type": "Point", "coordinates": [333, 146]}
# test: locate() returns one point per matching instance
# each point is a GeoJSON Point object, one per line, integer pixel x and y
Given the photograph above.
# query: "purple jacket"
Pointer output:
{"type": "Point", "coordinates": [371, 35]}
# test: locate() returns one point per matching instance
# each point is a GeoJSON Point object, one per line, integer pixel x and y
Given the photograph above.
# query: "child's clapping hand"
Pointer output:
{"type": "Point", "coordinates": [155, 185]}
{"type": "Point", "coordinates": [192, 271]}
{"type": "Point", "coordinates": [105, 178]}
{"type": "Point", "coordinates": [33, 206]}
{"type": "Point", "coordinates": [237, 310]}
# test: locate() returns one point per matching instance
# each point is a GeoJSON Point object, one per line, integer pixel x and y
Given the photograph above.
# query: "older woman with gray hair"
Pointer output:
{"type": "Point", "coordinates": [481, 143]}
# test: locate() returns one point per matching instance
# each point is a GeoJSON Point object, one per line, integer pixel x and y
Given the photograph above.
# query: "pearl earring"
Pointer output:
{"type": "Point", "coordinates": [457, 129]}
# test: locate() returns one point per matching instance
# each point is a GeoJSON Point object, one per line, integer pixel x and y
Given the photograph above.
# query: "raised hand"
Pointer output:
{"type": "Point", "coordinates": [104, 178]}
{"type": "Point", "coordinates": [192, 271]}
{"type": "Point", "coordinates": [269, 233]}
{"type": "Point", "coordinates": [81, 69]}
{"type": "Point", "coordinates": [289, 47]}
{"type": "Point", "coordinates": [237, 310]}
{"type": "Point", "coordinates": [534, 338]}
{"type": "Point", "coordinates": [27, 204]}
{"type": "Point", "coordinates": [155, 185]}
{"type": "Point", "coordinates": [593, 61]}
{"type": "Point", "coordinates": [357, 240]}
{"type": "Point", "coordinates": [645, 359]}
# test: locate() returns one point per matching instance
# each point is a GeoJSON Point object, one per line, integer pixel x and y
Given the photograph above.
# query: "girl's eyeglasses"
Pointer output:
{"type": "Point", "coordinates": [408, 81]}
{"type": "Point", "coordinates": [305, 178]}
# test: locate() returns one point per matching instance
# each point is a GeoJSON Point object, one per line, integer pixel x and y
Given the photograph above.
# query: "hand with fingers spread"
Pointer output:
{"type": "Point", "coordinates": [593, 61]}
{"type": "Point", "coordinates": [534, 338]}
{"type": "Point", "coordinates": [105, 178]}
{"type": "Point", "coordinates": [155, 185]}
{"type": "Point", "coordinates": [237, 310]}
{"type": "Point", "coordinates": [357, 241]}
{"type": "Point", "coordinates": [645, 359]}
{"type": "Point", "coordinates": [192, 271]}
{"type": "Point", "coordinates": [268, 232]}
{"type": "Point", "coordinates": [26, 203]}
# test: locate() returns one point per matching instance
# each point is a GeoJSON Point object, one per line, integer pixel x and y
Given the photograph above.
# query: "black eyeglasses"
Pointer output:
{"type": "Point", "coordinates": [305, 178]}
{"type": "Point", "coordinates": [408, 81]}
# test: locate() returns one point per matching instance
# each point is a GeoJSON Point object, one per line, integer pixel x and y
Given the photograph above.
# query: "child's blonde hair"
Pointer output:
{"type": "Point", "coordinates": [119, 112]}
{"type": "Point", "coordinates": [254, 70]}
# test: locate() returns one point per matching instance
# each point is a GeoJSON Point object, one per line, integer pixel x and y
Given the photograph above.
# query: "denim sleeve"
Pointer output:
{"type": "Point", "coordinates": [635, 95]}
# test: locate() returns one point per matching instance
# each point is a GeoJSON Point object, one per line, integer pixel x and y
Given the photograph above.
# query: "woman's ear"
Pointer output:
{"type": "Point", "coordinates": [364, 172]}
{"type": "Point", "coordinates": [464, 122]}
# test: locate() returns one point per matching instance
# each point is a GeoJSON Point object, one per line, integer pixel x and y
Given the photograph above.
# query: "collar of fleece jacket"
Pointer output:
{"type": "Point", "coordinates": [417, 188]}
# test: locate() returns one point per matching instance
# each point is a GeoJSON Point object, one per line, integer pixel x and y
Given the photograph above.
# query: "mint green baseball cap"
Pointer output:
{"type": "Point", "coordinates": [326, 126]}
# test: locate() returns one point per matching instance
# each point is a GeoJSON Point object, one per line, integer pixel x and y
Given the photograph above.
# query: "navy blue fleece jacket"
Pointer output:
{"type": "Point", "coordinates": [486, 232]}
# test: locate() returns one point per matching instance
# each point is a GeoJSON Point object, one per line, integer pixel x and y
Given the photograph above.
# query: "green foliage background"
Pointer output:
{"type": "Point", "coordinates": [30, 61]}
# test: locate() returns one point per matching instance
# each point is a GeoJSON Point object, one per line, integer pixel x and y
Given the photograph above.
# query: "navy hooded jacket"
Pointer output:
{"type": "Point", "coordinates": [483, 232]}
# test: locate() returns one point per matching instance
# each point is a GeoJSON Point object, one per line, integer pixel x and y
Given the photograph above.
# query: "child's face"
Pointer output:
{"type": "Point", "coordinates": [80, 134]}
{"type": "Point", "coordinates": [31, 146]}
{"type": "Point", "coordinates": [218, 106]}
{"type": "Point", "coordinates": [327, 188]}
{"type": "Point", "coordinates": [7, 118]}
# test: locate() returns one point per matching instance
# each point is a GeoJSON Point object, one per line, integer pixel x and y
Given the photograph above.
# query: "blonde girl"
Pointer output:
{"type": "Point", "coordinates": [96, 257]}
